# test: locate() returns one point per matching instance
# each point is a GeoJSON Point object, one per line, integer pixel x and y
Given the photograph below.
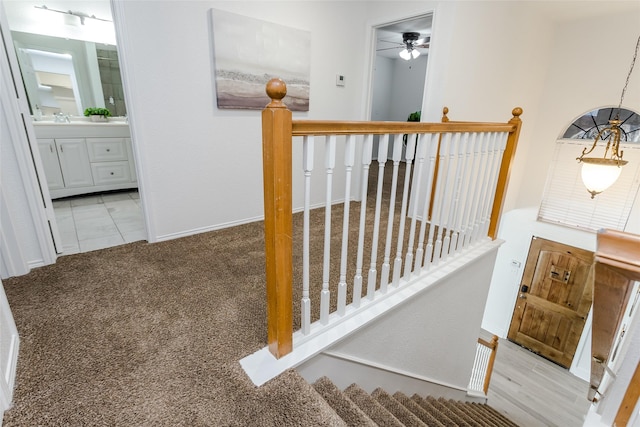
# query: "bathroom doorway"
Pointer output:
{"type": "Point", "coordinates": [91, 179]}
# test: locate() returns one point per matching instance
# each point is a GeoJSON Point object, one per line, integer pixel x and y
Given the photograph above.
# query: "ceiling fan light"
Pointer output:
{"type": "Point", "coordinates": [404, 54]}
{"type": "Point", "coordinates": [415, 53]}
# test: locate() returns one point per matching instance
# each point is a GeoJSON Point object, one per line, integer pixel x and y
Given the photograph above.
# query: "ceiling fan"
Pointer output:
{"type": "Point", "coordinates": [411, 41]}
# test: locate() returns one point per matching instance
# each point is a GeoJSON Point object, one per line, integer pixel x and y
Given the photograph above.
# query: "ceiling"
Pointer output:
{"type": "Point", "coordinates": [389, 37]}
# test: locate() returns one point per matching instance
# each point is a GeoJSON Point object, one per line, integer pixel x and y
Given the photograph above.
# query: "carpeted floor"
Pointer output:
{"type": "Point", "coordinates": [151, 335]}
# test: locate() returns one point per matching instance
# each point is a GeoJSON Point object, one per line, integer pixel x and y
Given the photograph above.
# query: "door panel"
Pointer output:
{"type": "Point", "coordinates": [554, 300]}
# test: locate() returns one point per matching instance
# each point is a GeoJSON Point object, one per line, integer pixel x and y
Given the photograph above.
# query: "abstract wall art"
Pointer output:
{"type": "Point", "coordinates": [248, 52]}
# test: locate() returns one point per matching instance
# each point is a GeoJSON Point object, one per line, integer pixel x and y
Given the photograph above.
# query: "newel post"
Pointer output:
{"type": "Point", "coordinates": [505, 170]}
{"type": "Point", "coordinates": [277, 158]}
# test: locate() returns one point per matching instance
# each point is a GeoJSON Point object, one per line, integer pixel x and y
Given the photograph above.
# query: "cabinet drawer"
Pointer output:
{"type": "Point", "coordinates": [107, 149]}
{"type": "Point", "coordinates": [110, 172]}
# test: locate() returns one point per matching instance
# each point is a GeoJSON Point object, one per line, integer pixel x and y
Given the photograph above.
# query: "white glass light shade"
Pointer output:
{"type": "Point", "coordinates": [404, 54]}
{"type": "Point", "coordinates": [598, 176]}
{"type": "Point", "coordinates": [415, 53]}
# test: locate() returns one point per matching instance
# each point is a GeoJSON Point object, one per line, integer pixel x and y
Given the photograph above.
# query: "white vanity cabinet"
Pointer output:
{"type": "Point", "coordinates": [49, 156]}
{"type": "Point", "coordinates": [74, 162]}
{"type": "Point", "coordinates": [80, 159]}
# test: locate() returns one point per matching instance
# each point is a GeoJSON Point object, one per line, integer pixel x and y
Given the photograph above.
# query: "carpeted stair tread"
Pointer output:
{"type": "Point", "coordinates": [449, 412]}
{"type": "Point", "coordinates": [471, 413]}
{"type": "Point", "coordinates": [417, 410]}
{"type": "Point", "coordinates": [433, 411]}
{"type": "Point", "coordinates": [457, 408]}
{"type": "Point", "coordinates": [344, 407]}
{"type": "Point", "coordinates": [403, 414]}
{"type": "Point", "coordinates": [358, 408]}
{"type": "Point", "coordinates": [489, 419]}
{"type": "Point", "coordinates": [371, 407]}
{"type": "Point", "coordinates": [496, 414]}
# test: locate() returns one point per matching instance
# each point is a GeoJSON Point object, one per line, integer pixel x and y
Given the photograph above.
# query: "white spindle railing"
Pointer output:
{"type": "Point", "coordinates": [456, 192]}
{"type": "Point", "coordinates": [483, 365]}
{"type": "Point", "coordinates": [450, 192]}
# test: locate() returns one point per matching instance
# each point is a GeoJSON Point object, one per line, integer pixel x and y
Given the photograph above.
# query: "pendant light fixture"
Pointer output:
{"type": "Point", "coordinates": [599, 173]}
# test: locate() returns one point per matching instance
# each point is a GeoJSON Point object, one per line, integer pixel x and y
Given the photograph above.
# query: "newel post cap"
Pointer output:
{"type": "Point", "coordinates": [276, 90]}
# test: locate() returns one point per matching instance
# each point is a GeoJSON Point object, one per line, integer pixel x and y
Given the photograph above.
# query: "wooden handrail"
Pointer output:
{"type": "Point", "coordinates": [629, 400]}
{"type": "Point", "coordinates": [319, 127]}
{"type": "Point", "coordinates": [617, 265]}
{"type": "Point", "coordinates": [493, 345]}
{"type": "Point", "coordinates": [505, 170]}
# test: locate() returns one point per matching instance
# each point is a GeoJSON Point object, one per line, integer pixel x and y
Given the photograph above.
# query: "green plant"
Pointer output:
{"type": "Point", "coordinates": [414, 117]}
{"type": "Point", "coordinates": [97, 111]}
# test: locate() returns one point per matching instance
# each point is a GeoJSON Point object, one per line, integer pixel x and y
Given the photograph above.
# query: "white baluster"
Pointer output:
{"type": "Point", "coordinates": [486, 171]}
{"type": "Point", "coordinates": [330, 162]}
{"type": "Point", "coordinates": [479, 149]}
{"type": "Point", "coordinates": [396, 157]}
{"type": "Point", "coordinates": [431, 149]}
{"type": "Point", "coordinates": [409, 153]}
{"type": "Point", "coordinates": [383, 145]}
{"type": "Point", "coordinates": [367, 148]}
{"type": "Point", "coordinates": [451, 196]}
{"type": "Point", "coordinates": [416, 191]}
{"type": "Point", "coordinates": [465, 192]}
{"type": "Point", "coordinates": [461, 189]}
{"type": "Point", "coordinates": [349, 159]}
{"type": "Point", "coordinates": [501, 143]}
{"type": "Point", "coordinates": [307, 165]}
{"type": "Point", "coordinates": [433, 252]}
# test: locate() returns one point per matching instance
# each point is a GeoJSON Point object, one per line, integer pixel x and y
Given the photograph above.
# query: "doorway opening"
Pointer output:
{"type": "Point", "coordinates": [399, 70]}
{"type": "Point", "coordinates": [68, 63]}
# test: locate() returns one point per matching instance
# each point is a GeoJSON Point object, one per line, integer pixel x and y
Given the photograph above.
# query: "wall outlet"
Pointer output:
{"type": "Point", "coordinates": [339, 80]}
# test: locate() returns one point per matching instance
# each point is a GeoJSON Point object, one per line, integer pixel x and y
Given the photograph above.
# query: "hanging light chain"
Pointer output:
{"type": "Point", "coordinates": [624, 89]}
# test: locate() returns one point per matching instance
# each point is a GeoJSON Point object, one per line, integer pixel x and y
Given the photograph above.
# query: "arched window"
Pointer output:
{"type": "Point", "coordinates": [566, 200]}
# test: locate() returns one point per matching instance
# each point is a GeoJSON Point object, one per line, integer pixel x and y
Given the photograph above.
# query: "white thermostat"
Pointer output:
{"type": "Point", "coordinates": [339, 80]}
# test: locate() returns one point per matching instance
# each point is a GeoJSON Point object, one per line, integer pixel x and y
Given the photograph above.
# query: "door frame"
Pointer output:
{"type": "Point", "coordinates": [14, 103]}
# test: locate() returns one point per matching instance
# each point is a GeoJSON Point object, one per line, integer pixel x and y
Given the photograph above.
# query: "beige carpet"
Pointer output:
{"type": "Point", "coordinates": [151, 335]}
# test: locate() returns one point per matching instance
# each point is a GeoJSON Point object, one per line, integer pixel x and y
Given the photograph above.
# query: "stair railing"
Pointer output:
{"type": "Point", "coordinates": [456, 204]}
{"type": "Point", "coordinates": [483, 365]}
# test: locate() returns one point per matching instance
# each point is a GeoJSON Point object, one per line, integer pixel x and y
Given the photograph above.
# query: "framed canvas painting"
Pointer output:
{"type": "Point", "coordinates": [248, 52]}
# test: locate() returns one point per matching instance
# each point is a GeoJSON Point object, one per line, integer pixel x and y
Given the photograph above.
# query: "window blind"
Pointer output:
{"type": "Point", "coordinates": [567, 202]}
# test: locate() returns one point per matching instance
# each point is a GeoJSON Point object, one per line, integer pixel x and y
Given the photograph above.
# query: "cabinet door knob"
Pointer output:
{"type": "Point", "coordinates": [108, 149]}
{"type": "Point", "coordinates": [110, 173]}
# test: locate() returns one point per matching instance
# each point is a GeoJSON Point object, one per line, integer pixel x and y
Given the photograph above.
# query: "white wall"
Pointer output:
{"type": "Point", "coordinates": [571, 88]}
{"type": "Point", "coordinates": [200, 167]}
{"type": "Point", "coordinates": [408, 87]}
{"type": "Point", "coordinates": [433, 336]}
{"type": "Point", "coordinates": [193, 155]}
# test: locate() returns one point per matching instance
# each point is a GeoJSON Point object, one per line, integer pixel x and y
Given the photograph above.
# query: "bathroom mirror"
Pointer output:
{"type": "Point", "coordinates": [67, 56]}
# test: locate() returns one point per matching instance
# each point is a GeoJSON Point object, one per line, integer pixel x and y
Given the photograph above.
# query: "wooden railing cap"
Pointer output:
{"type": "Point", "coordinates": [276, 90]}
{"type": "Point", "coordinates": [516, 112]}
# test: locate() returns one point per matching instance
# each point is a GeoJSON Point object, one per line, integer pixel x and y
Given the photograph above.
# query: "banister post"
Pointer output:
{"type": "Point", "coordinates": [277, 158]}
{"type": "Point", "coordinates": [505, 170]}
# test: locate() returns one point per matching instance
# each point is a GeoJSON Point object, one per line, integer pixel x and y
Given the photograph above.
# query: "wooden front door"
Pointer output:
{"type": "Point", "coordinates": [554, 300]}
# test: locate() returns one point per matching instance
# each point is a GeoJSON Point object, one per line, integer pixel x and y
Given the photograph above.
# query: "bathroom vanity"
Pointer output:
{"type": "Point", "coordinates": [83, 157]}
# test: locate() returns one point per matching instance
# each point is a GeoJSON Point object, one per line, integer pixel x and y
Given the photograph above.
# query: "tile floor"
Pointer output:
{"type": "Point", "coordinates": [88, 223]}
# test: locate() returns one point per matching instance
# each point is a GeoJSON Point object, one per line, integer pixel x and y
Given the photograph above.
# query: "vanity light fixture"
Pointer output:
{"type": "Point", "coordinates": [80, 15]}
{"type": "Point", "coordinates": [599, 173]}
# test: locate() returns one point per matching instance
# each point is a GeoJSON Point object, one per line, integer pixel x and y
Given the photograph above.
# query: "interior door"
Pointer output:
{"type": "Point", "coordinates": [554, 300]}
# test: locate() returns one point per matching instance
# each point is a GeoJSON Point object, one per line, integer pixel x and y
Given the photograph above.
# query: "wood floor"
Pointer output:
{"type": "Point", "coordinates": [533, 391]}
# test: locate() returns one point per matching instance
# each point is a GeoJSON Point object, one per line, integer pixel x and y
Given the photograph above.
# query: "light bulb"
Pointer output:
{"type": "Point", "coordinates": [415, 53]}
{"type": "Point", "coordinates": [404, 54]}
{"type": "Point", "coordinates": [597, 177]}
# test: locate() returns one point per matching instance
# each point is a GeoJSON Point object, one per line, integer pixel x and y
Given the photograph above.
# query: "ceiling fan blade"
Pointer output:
{"type": "Point", "coordinates": [389, 48]}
